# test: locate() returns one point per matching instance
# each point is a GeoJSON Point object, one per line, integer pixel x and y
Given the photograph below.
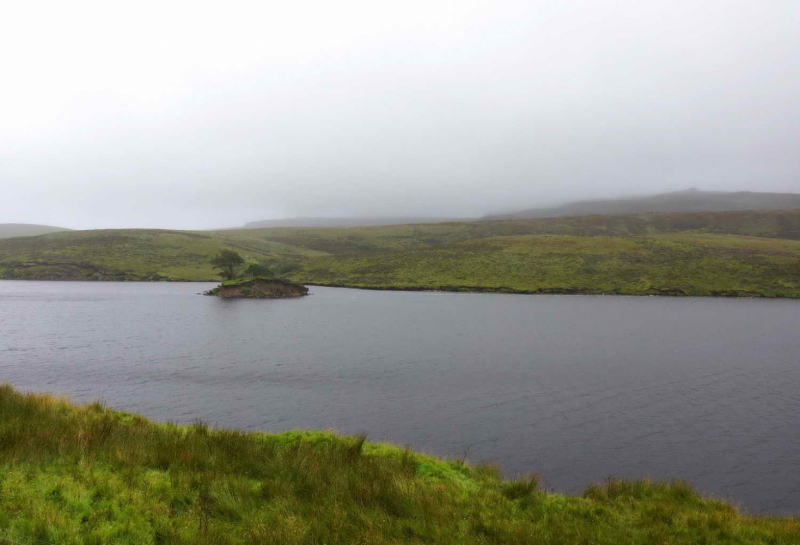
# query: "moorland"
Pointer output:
{"type": "Point", "coordinates": [734, 253]}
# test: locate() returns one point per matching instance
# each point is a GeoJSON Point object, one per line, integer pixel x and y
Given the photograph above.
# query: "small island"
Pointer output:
{"type": "Point", "coordinates": [256, 282]}
{"type": "Point", "coordinates": [259, 288]}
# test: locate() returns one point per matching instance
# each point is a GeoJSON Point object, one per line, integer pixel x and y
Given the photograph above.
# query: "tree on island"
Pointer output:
{"type": "Point", "coordinates": [228, 262]}
{"type": "Point", "coordinates": [257, 269]}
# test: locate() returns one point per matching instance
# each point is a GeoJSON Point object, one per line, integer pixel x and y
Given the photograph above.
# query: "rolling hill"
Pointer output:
{"type": "Point", "coordinates": [9, 230]}
{"type": "Point", "coordinates": [133, 254]}
{"type": "Point", "coordinates": [753, 253]}
{"type": "Point", "coordinates": [691, 200]}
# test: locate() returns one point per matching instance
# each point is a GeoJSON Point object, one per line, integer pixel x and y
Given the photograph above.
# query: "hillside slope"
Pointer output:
{"type": "Point", "coordinates": [133, 254]}
{"type": "Point", "coordinates": [680, 264]}
{"type": "Point", "coordinates": [701, 253]}
{"type": "Point", "coordinates": [8, 230]}
{"type": "Point", "coordinates": [74, 474]}
{"type": "Point", "coordinates": [679, 201]}
{"type": "Point", "coordinates": [757, 223]}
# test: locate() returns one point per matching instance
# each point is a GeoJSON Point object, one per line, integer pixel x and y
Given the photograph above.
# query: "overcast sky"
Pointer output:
{"type": "Point", "coordinates": [210, 114]}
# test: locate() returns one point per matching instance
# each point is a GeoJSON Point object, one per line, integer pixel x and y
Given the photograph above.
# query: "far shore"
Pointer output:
{"type": "Point", "coordinates": [457, 289]}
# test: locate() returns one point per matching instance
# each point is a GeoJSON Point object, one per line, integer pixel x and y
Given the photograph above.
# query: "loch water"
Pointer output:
{"type": "Point", "coordinates": [576, 388]}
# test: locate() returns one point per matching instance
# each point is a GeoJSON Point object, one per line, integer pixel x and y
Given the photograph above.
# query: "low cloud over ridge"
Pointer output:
{"type": "Point", "coordinates": [198, 115]}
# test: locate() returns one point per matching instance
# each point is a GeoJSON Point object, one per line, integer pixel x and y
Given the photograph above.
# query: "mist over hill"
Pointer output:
{"type": "Point", "coordinates": [348, 222]}
{"type": "Point", "coordinates": [691, 200]}
{"type": "Point", "coordinates": [9, 230]}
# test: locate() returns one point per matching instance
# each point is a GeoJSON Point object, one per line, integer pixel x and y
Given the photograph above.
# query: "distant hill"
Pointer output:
{"type": "Point", "coordinates": [691, 200]}
{"type": "Point", "coordinates": [347, 222]}
{"type": "Point", "coordinates": [681, 253]}
{"type": "Point", "coordinates": [8, 230]}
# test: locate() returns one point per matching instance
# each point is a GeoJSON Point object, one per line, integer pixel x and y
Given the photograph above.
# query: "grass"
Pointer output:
{"type": "Point", "coordinates": [88, 474]}
{"type": "Point", "coordinates": [134, 254]}
{"type": "Point", "coordinates": [784, 224]}
{"type": "Point", "coordinates": [681, 264]}
{"type": "Point", "coordinates": [751, 253]}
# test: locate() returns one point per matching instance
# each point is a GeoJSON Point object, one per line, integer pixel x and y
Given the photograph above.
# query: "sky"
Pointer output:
{"type": "Point", "coordinates": [193, 115]}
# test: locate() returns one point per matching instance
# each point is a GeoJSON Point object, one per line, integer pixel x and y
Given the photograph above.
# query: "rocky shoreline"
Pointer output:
{"type": "Point", "coordinates": [259, 288]}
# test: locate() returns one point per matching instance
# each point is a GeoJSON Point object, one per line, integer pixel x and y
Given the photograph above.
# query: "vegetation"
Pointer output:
{"type": "Point", "coordinates": [136, 254]}
{"type": "Point", "coordinates": [700, 253]}
{"type": "Point", "coordinates": [92, 475]}
{"type": "Point", "coordinates": [259, 288]}
{"type": "Point", "coordinates": [228, 262]}
{"type": "Point", "coordinates": [685, 264]}
{"type": "Point", "coordinates": [257, 269]}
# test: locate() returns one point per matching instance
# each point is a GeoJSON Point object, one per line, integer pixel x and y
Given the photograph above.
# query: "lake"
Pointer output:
{"type": "Point", "coordinates": [575, 388]}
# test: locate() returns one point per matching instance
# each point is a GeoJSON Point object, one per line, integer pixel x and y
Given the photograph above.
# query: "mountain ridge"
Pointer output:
{"type": "Point", "coordinates": [691, 200]}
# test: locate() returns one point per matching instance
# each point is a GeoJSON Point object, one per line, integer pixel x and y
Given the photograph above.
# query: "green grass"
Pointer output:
{"type": "Point", "coordinates": [752, 253]}
{"type": "Point", "coordinates": [682, 264]}
{"type": "Point", "coordinates": [134, 254]}
{"type": "Point", "coordinates": [89, 474]}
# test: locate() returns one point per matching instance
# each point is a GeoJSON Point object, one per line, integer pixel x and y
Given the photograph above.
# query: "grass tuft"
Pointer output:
{"type": "Point", "coordinates": [88, 474]}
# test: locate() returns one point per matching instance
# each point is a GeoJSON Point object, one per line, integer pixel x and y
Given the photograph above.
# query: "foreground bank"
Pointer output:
{"type": "Point", "coordinates": [88, 474]}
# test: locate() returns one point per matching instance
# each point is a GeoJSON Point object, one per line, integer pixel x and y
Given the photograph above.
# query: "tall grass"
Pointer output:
{"type": "Point", "coordinates": [89, 474]}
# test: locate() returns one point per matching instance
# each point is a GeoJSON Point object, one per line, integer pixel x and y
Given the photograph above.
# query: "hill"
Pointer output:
{"type": "Point", "coordinates": [134, 254]}
{"type": "Point", "coordinates": [691, 200]}
{"type": "Point", "coordinates": [8, 230]}
{"type": "Point", "coordinates": [346, 222]}
{"type": "Point", "coordinates": [89, 474]}
{"type": "Point", "coordinates": [683, 264]}
{"type": "Point", "coordinates": [754, 253]}
{"type": "Point", "coordinates": [758, 223]}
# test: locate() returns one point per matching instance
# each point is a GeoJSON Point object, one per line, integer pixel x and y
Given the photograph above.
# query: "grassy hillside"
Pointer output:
{"type": "Point", "coordinates": [702, 253]}
{"type": "Point", "coordinates": [682, 264]}
{"type": "Point", "coordinates": [691, 200]}
{"type": "Point", "coordinates": [136, 245]}
{"type": "Point", "coordinates": [88, 474]}
{"type": "Point", "coordinates": [339, 241]}
{"type": "Point", "coordinates": [133, 254]}
{"type": "Point", "coordinates": [8, 230]}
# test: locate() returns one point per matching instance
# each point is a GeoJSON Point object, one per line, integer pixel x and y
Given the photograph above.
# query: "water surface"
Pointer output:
{"type": "Point", "coordinates": [576, 388]}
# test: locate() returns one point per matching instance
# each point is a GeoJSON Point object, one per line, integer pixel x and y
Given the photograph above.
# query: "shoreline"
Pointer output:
{"type": "Point", "coordinates": [726, 294]}
{"type": "Point", "coordinates": [101, 475]}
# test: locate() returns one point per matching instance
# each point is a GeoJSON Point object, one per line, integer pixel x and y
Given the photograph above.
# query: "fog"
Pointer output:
{"type": "Point", "coordinates": [208, 114]}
